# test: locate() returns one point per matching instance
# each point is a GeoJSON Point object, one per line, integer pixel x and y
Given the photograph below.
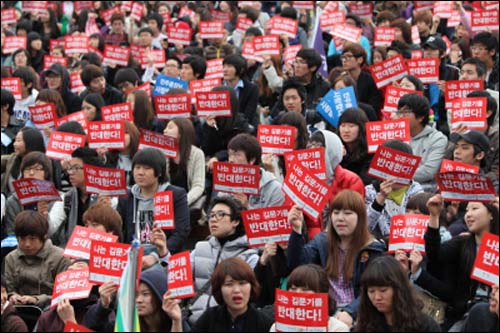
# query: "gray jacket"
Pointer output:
{"type": "Point", "coordinates": [205, 256]}
{"type": "Point", "coordinates": [430, 144]}
{"type": "Point", "coordinates": [270, 194]}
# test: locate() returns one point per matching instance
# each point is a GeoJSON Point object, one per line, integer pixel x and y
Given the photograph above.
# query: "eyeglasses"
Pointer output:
{"type": "Point", "coordinates": [347, 56]}
{"type": "Point", "coordinates": [218, 215]}
{"type": "Point", "coordinates": [74, 168]}
{"type": "Point", "coordinates": [34, 169]}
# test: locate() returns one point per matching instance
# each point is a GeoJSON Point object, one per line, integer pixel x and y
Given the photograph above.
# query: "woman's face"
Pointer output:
{"type": "Point", "coordinates": [34, 171]}
{"type": "Point", "coordinates": [20, 59]}
{"type": "Point", "coordinates": [304, 290]}
{"type": "Point", "coordinates": [36, 44]}
{"type": "Point", "coordinates": [236, 294]}
{"type": "Point", "coordinates": [89, 111]}
{"type": "Point", "coordinates": [19, 145]}
{"type": "Point", "coordinates": [96, 226]}
{"type": "Point", "coordinates": [339, 85]}
{"type": "Point", "coordinates": [344, 222]}
{"type": "Point", "coordinates": [406, 84]}
{"type": "Point", "coordinates": [94, 42]}
{"type": "Point", "coordinates": [381, 298]}
{"type": "Point", "coordinates": [398, 35]}
{"type": "Point", "coordinates": [477, 218]}
{"type": "Point", "coordinates": [172, 130]}
{"type": "Point", "coordinates": [377, 57]}
{"type": "Point", "coordinates": [30, 244]}
{"type": "Point", "coordinates": [144, 300]}
{"type": "Point", "coordinates": [349, 132]}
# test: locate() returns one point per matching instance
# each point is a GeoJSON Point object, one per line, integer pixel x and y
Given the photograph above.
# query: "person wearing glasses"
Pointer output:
{"type": "Point", "coordinates": [484, 46]}
{"type": "Point", "coordinates": [227, 240]}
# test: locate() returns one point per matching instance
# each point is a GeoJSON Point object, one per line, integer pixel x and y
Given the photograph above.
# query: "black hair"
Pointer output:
{"type": "Point", "coordinates": [126, 75]}
{"type": "Point", "coordinates": [235, 207]}
{"type": "Point", "coordinates": [24, 24]}
{"type": "Point", "coordinates": [89, 73]}
{"type": "Point", "coordinates": [249, 145]}
{"type": "Point", "coordinates": [26, 53]}
{"type": "Point", "coordinates": [312, 57]}
{"type": "Point", "coordinates": [71, 127]}
{"type": "Point", "coordinates": [177, 60]}
{"type": "Point", "coordinates": [26, 75]}
{"type": "Point", "coordinates": [399, 145]}
{"type": "Point", "coordinates": [355, 116]}
{"type": "Point", "coordinates": [37, 157]}
{"type": "Point", "coordinates": [491, 104]}
{"type": "Point", "coordinates": [33, 140]}
{"type": "Point", "coordinates": [154, 159]}
{"type": "Point", "coordinates": [419, 105]}
{"type": "Point", "coordinates": [289, 12]}
{"type": "Point", "coordinates": [480, 66]}
{"type": "Point", "coordinates": [294, 83]}
{"type": "Point", "coordinates": [238, 62]}
{"type": "Point", "coordinates": [88, 156]}
{"type": "Point", "coordinates": [487, 39]}
{"type": "Point", "coordinates": [253, 31]}
{"type": "Point", "coordinates": [356, 19]}
{"type": "Point", "coordinates": [146, 29]}
{"type": "Point", "coordinates": [157, 17]}
{"type": "Point", "coordinates": [98, 102]}
{"type": "Point", "coordinates": [92, 58]}
{"type": "Point", "coordinates": [198, 64]}
{"type": "Point", "coordinates": [419, 86]}
{"type": "Point", "coordinates": [8, 99]}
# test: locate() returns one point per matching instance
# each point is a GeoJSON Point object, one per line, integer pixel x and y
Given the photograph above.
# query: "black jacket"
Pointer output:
{"type": "Point", "coordinates": [316, 89]}
{"type": "Point", "coordinates": [217, 319]}
{"type": "Point", "coordinates": [368, 91]}
{"type": "Point", "coordinates": [249, 98]}
{"type": "Point", "coordinates": [111, 95]}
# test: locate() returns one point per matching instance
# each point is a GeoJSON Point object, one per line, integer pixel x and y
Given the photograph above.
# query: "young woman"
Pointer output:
{"type": "Point", "coordinates": [345, 249]}
{"type": "Point", "coordinates": [313, 279]}
{"type": "Point", "coordinates": [158, 312]}
{"type": "Point", "coordinates": [352, 132]}
{"type": "Point", "coordinates": [234, 287]}
{"type": "Point", "coordinates": [105, 218]}
{"type": "Point", "coordinates": [451, 263]}
{"type": "Point", "coordinates": [388, 302]}
{"type": "Point", "coordinates": [91, 106]}
{"type": "Point", "coordinates": [52, 96]}
{"type": "Point", "coordinates": [144, 116]}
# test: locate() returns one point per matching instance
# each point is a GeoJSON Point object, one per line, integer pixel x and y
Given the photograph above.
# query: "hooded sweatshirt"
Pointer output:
{"type": "Point", "coordinates": [333, 153]}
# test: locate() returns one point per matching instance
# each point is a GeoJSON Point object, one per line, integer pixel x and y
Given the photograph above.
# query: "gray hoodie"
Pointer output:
{"type": "Point", "coordinates": [333, 153]}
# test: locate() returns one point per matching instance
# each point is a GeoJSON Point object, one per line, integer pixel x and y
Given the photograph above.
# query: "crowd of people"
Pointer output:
{"type": "Point", "coordinates": [343, 253]}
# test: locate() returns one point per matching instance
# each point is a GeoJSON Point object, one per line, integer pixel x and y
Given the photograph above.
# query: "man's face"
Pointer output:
{"type": "Point", "coordinates": [301, 68]}
{"type": "Point", "coordinates": [423, 28]}
{"type": "Point", "coordinates": [187, 73]}
{"type": "Point", "coordinates": [480, 51]}
{"type": "Point", "coordinates": [54, 81]}
{"type": "Point", "coordinates": [117, 26]}
{"type": "Point", "coordinates": [144, 176]}
{"type": "Point", "coordinates": [76, 173]}
{"type": "Point", "coordinates": [229, 73]}
{"type": "Point", "coordinates": [145, 39]}
{"type": "Point", "coordinates": [431, 53]}
{"type": "Point", "coordinates": [238, 157]}
{"type": "Point", "coordinates": [292, 101]}
{"type": "Point", "coordinates": [469, 72]}
{"type": "Point", "coordinates": [98, 85]}
{"type": "Point", "coordinates": [153, 25]}
{"type": "Point", "coordinates": [349, 61]}
{"type": "Point", "coordinates": [464, 153]}
{"type": "Point", "coordinates": [172, 68]}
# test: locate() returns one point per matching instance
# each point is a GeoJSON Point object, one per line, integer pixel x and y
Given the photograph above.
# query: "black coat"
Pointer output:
{"type": "Point", "coordinates": [368, 91]}
{"type": "Point", "coordinates": [217, 319]}
{"type": "Point", "coordinates": [249, 98]}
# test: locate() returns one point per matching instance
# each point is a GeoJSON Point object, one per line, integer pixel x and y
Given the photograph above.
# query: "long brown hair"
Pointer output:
{"type": "Point", "coordinates": [186, 140]}
{"type": "Point", "coordinates": [53, 96]}
{"type": "Point", "coordinates": [264, 89]}
{"type": "Point", "coordinates": [143, 110]}
{"type": "Point", "coordinates": [351, 200]}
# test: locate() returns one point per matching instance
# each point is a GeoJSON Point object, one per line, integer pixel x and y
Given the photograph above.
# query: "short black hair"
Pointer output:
{"type": "Point", "coordinates": [312, 57]}
{"type": "Point", "coordinates": [126, 75]}
{"type": "Point", "coordinates": [26, 53]}
{"type": "Point", "coordinates": [88, 156]}
{"type": "Point", "coordinates": [399, 145]}
{"type": "Point", "coordinates": [294, 83]}
{"type": "Point", "coordinates": [145, 29]}
{"type": "Point", "coordinates": [253, 31]}
{"type": "Point", "coordinates": [487, 39]}
{"type": "Point", "coordinates": [71, 127]}
{"type": "Point", "coordinates": [480, 66]}
{"type": "Point", "coordinates": [33, 140]}
{"type": "Point", "coordinates": [177, 60]}
{"type": "Point", "coordinates": [89, 73]}
{"type": "Point", "coordinates": [98, 102]}
{"type": "Point", "coordinates": [8, 99]}
{"type": "Point", "coordinates": [248, 144]}
{"type": "Point", "coordinates": [419, 105]}
{"type": "Point", "coordinates": [235, 207]}
{"type": "Point", "coordinates": [492, 104]}
{"type": "Point", "coordinates": [154, 159]}
{"type": "Point", "coordinates": [198, 64]}
{"type": "Point", "coordinates": [31, 223]}
{"type": "Point", "coordinates": [157, 17]}
{"type": "Point", "coordinates": [26, 75]}
{"type": "Point", "coordinates": [419, 86]}
{"type": "Point", "coordinates": [238, 62]}
{"type": "Point", "coordinates": [289, 12]}
{"type": "Point", "coordinates": [24, 24]}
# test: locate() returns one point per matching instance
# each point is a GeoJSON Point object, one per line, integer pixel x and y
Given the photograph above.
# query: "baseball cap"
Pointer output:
{"type": "Point", "coordinates": [56, 69]}
{"type": "Point", "coordinates": [473, 137]}
{"type": "Point", "coordinates": [436, 43]}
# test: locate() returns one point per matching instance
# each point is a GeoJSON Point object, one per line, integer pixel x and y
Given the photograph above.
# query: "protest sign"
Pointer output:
{"type": "Point", "coordinates": [61, 144]}
{"type": "Point", "coordinates": [236, 178]}
{"type": "Point", "coordinates": [30, 191]}
{"type": "Point", "coordinates": [76, 44]}
{"type": "Point", "coordinates": [443, 9]}
{"type": "Point", "coordinates": [279, 25]}
{"type": "Point", "coordinates": [156, 57]}
{"type": "Point", "coordinates": [73, 327]}
{"type": "Point", "coordinates": [469, 112]}
{"type": "Point", "coordinates": [248, 52]}
{"type": "Point", "coordinates": [393, 164]}
{"type": "Point", "coordinates": [180, 276]}
{"type": "Point", "coordinates": [9, 16]}
{"type": "Point", "coordinates": [384, 36]}
{"type": "Point", "coordinates": [168, 145]}
{"type": "Point", "coordinates": [394, 94]}
{"type": "Point", "coordinates": [213, 103]}
{"type": "Point", "coordinates": [378, 132]}
{"type": "Point", "coordinates": [347, 32]}
{"type": "Point", "coordinates": [163, 215]}
{"type": "Point", "coordinates": [79, 117]}
{"type": "Point", "coordinates": [106, 134]}
{"type": "Point", "coordinates": [276, 139]}
{"type": "Point", "coordinates": [35, 6]}
{"type": "Point", "coordinates": [313, 159]}
{"type": "Point", "coordinates": [426, 69]}
{"type": "Point", "coordinates": [415, 35]}
{"type": "Point", "coordinates": [164, 83]}
{"type": "Point", "coordinates": [482, 20]}
{"type": "Point", "coordinates": [116, 55]}
{"type": "Point", "coordinates": [214, 69]}
{"type": "Point", "coordinates": [460, 89]}
{"type": "Point", "coordinates": [243, 24]}
{"type": "Point", "coordinates": [105, 181]}
{"type": "Point", "coordinates": [49, 60]}
{"type": "Point", "coordinates": [118, 112]}
{"type": "Point", "coordinates": [43, 115]}
{"type": "Point", "coordinates": [363, 11]}
{"type": "Point", "coordinates": [453, 166]}
{"type": "Point", "coordinates": [266, 45]}
{"type": "Point", "coordinates": [266, 225]}
{"type": "Point", "coordinates": [485, 267]}
{"type": "Point", "coordinates": [407, 232]}
{"type": "Point", "coordinates": [12, 85]}
{"type": "Point", "coordinates": [306, 5]}
{"type": "Point", "coordinates": [335, 102]}
{"type": "Point", "coordinates": [290, 53]}
{"type": "Point", "coordinates": [13, 43]}
{"type": "Point", "coordinates": [464, 186]}
{"type": "Point", "coordinates": [388, 71]}
{"type": "Point", "coordinates": [224, 17]}
{"type": "Point", "coordinates": [70, 285]}
{"type": "Point", "coordinates": [78, 245]}
{"type": "Point", "coordinates": [75, 83]}
{"type": "Point", "coordinates": [211, 30]}
{"type": "Point", "coordinates": [328, 20]}
{"type": "Point", "coordinates": [107, 261]}
{"type": "Point", "coordinates": [180, 36]}
{"type": "Point", "coordinates": [173, 106]}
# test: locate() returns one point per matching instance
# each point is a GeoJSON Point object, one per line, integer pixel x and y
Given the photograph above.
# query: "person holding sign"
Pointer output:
{"type": "Point", "coordinates": [451, 263]}
{"type": "Point", "coordinates": [312, 278]}
{"type": "Point", "coordinates": [31, 268]}
{"type": "Point", "coordinates": [95, 82]}
{"type": "Point", "coordinates": [388, 302]}
{"type": "Point", "coordinates": [345, 249]}
{"type": "Point", "coordinates": [234, 287]}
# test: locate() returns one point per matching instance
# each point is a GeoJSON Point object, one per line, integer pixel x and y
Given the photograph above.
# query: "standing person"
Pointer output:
{"type": "Point", "coordinates": [57, 78]}
{"type": "Point", "coordinates": [235, 288]}
{"type": "Point", "coordinates": [344, 249]}
{"type": "Point", "coordinates": [388, 302]}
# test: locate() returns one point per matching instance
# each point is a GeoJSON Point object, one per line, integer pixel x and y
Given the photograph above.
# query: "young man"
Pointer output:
{"type": "Point", "coordinates": [426, 142]}
{"type": "Point", "coordinates": [193, 68]}
{"type": "Point", "coordinates": [10, 124]}
{"type": "Point", "coordinates": [471, 148]}
{"type": "Point", "coordinates": [173, 67]}
{"type": "Point", "coordinates": [137, 208]}
{"type": "Point", "coordinates": [57, 78]}
{"type": "Point", "coordinates": [234, 68]}
{"type": "Point", "coordinates": [28, 93]}
{"type": "Point", "coordinates": [155, 23]}
{"type": "Point", "coordinates": [245, 149]}
{"type": "Point", "coordinates": [93, 78]}
{"type": "Point", "coordinates": [126, 78]}
{"type": "Point", "coordinates": [117, 35]}
{"type": "Point", "coordinates": [484, 47]}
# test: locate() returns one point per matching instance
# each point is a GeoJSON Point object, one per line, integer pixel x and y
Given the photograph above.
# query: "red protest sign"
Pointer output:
{"type": "Point", "coordinates": [12, 85]}
{"type": "Point", "coordinates": [248, 52]}
{"type": "Point", "coordinates": [79, 243]}
{"type": "Point", "coordinates": [266, 225]}
{"type": "Point", "coordinates": [306, 190]}
{"type": "Point", "coordinates": [35, 6]}
{"type": "Point", "coordinates": [297, 312]}
{"type": "Point", "coordinates": [43, 115]}
{"type": "Point", "coordinates": [179, 35]}
{"type": "Point", "coordinates": [393, 164]}
{"type": "Point", "coordinates": [13, 43]}
{"type": "Point", "coordinates": [332, 6]}
{"type": "Point", "coordinates": [236, 178]}
{"type": "Point", "coordinates": [211, 29]}
{"type": "Point", "coordinates": [61, 144]}
{"type": "Point", "coordinates": [242, 4]}
{"type": "Point", "coordinates": [116, 55]}
{"type": "Point", "coordinates": [158, 57]}
{"type": "Point", "coordinates": [454, 19]}
{"type": "Point", "coordinates": [328, 20]}
{"type": "Point", "coordinates": [76, 44]}
{"type": "Point", "coordinates": [407, 232]}
{"type": "Point", "coordinates": [363, 11]}
{"type": "Point", "coordinates": [137, 11]}
{"type": "Point", "coordinates": [415, 35]}
{"type": "Point", "coordinates": [107, 261]}
{"type": "Point", "coordinates": [49, 60]}
{"type": "Point", "coordinates": [105, 181]}
{"type": "Point", "coordinates": [71, 285]}
{"type": "Point", "coordinates": [485, 267]}
{"type": "Point", "coordinates": [173, 106]}
{"type": "Point", "coordinates": [243, 24]}
{"type": "Point", "coordinates": [276, 139]}
{"type": "Point", "coordinates": [106, 134]}
{"type": "Point", "coordinates": [106, 14]}
{"type": "Point", "coordinates": [417, 54]}
{"type": "Point", "coordinates": [213, 103]}
{"type": "Point", "coordinates": [394, 94]}
{"type": "Point", "coordinates": [378, 132]}
{"type": "Point", "coordinates": [443, 9]}
{"type": "Point", "coordinates": [73, 327]}
{"type": "Point", "coordinates": [460, 89]}
{"type": "Point", "coordinates": [55, 42]}
{"type": "Point", "coordinates": [283, 26]}
{"type": "Point", "coordinates": [185, 11]}
{"type": "Point", "coordinates": [424, 5]}
{"type": "Point", "coordinates": [453, 166]}
{"type": "Point", "coordinates": [30, 191]}
{"type": "Point", "coordinates": [221, 16]}
{"type": "Point", "coordinates": [166, 144]}
{"type": "Point", "coordinates": [290, 53]}
{"type": "Point", "coordinates": [164, 210]}
{"type": "Point", "coordinates": [347, 32]}
{"type": "Point", "coordinates": [214, 69]}
{"type": "Point", "coordinates": [180, 276]}
{"type": "Point", "coordinates": [118, 112]}
{"type": "Point", "coordinates": [384, 36]}
{"type": "Point", "coordinates": [9, 16]}
{"type": "Point", "coordinates": [144, 87]}
{"type": "Point", "coordinates": [312, 159]}
{"type": "Point", "coordinates": [81, 5]}
{"type": "Point", "coordinates": [469, 112]}
{"type": "Point", "coordinates": [75, 83]}
{"type": "Point", "coordinates": [489, 5]}
{"type": "Point", "coordinates": [484, 20]}
{"type": "Point", "coordinates": [307, 5]}
{"type": "Point", "coordinates": [203, 85]}
{"type": "Point", "coordinates": [266, 45]}
{"type": "Point", "coordinates": [79, 117]}
{"type": "Point", "coordinates": [388, 71]}
{"type": "Point", "coordinates": [464, 186]}
{"type": "Point", "coordinates": [427, 69]}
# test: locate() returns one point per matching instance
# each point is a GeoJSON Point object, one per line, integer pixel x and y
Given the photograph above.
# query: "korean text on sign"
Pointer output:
{"type": "Point", "coordinates": [71, 285]}
{"type": "Point", "coordinates": [79, 243]}
{"type": "Point", "coordinates": [180, 276]}
{"type": "Point", "coordinates": [486, 264]}
{"type": "Point", "coordinates": [266, 225]}
{"type": "Point", "coordinates": [407, 232]}
{"type": "Point", "coordinates": [107, 261]}
{"type": "Point", "coordinates": [393, 164]}
{"type": "Point", "coordinates": [236, 178]}
{"type": "Point", "coordinates": [276, 139]}
{"type": "Point", "coordinates": [463, 186]}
